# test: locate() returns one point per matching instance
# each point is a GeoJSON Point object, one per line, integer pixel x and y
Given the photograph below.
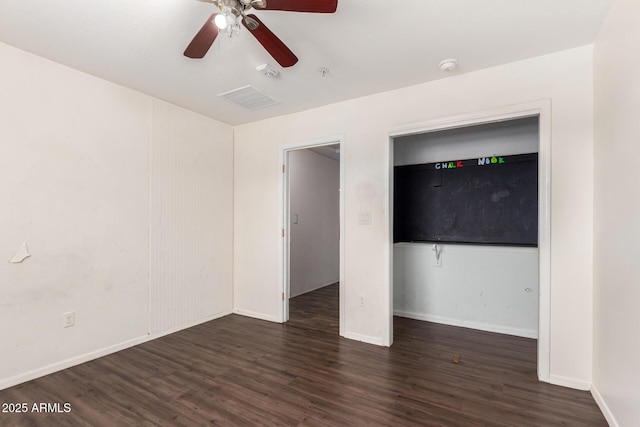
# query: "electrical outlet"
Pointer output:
{"type": "Point", "coordinates": [361, 300]}
{"type": "Point", "coordinates": [69, 319]}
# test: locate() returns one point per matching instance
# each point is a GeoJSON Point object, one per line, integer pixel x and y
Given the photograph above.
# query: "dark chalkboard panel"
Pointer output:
{"type": "Point", "coordinates": [490, 200]}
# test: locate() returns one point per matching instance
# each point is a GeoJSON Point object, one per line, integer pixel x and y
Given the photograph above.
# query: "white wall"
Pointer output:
{"type": "Point", "coordinates": [482, 287]}
{"type": "Point", "coordinates": [565, 78]}
{"type": "Point", "coordinates": [75, 168]}
{"type": "Point", "coordinates": [75, 163]}
{"type": "Point", "coordinates": [314, 197]}
{"type": "Point", "coordinates": [517, 136]}
{"type": "Point", "coordinates": [616, 376]}
{"type": "Point", "coordinates": [191, 218]}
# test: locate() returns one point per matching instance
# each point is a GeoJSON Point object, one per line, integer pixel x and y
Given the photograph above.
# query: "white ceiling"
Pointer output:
{"type": "Point", "coordinates": [369, 46]}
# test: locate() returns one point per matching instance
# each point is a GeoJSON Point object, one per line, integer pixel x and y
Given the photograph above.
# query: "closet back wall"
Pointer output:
{"type": "Point", "coordinates": [493, 288]}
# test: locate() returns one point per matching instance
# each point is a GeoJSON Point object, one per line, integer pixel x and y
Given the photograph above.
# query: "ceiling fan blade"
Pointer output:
{"type": "Point", "coordinates": [276, 48]}
{"type": "Point", "coordinates": [314, 6]}
{"type": "Point", "coordinates": [203, 40]}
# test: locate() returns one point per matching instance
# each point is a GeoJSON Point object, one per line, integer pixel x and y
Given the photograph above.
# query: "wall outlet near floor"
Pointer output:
{"type": "Point", "coordinates": [69, 319]}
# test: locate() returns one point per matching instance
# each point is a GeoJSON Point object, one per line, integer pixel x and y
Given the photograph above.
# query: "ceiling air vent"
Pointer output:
{"type": "Point", "coordinates": [249, 97]}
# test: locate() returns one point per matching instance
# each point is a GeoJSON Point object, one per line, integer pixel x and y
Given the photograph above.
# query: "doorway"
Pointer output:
{"type": "Point", "coordinates": [312, 227]}
{"type": "Point", "coordinates": [463, 255]}
{"type": "Point", "coordinates": [542, 110]}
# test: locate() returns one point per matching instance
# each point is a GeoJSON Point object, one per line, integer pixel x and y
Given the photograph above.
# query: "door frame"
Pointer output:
{"type": "Point", "coordinates": [541, 109]}
{"type": "Point", "coordinates": [285, 221]}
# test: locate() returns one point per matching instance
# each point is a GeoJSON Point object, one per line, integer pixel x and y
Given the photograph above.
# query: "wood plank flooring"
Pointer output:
{"type": "Point", "coordinates": [237, 371]}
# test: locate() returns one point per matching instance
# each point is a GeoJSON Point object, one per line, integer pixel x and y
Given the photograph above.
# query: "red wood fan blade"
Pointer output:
{"type": "Point", "coordinates": [203, 40]}
{"type": "Point", "coordinates": [272, 43]}
{"type": "Point", "coordinates": [314, 6]}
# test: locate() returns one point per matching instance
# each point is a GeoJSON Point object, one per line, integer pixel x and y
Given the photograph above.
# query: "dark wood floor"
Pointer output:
{"type": "Point", "coordinates": [237, 371]}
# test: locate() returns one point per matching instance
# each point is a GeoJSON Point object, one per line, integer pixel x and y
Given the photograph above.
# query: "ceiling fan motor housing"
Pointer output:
{"type": "Point", "coordinates": [232, 5]}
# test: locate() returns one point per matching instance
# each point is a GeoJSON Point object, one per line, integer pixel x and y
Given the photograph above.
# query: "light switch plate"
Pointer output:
{"type": "Point", "coordinates": [364, 218]}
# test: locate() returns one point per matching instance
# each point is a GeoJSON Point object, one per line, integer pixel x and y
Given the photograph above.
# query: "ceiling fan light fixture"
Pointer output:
{"type": "Point", "coordinates": [221, 21]}
{"type": "Point", "coordinates": [231, 20]}
{"type": "Point", "coordinates": [227, 20]}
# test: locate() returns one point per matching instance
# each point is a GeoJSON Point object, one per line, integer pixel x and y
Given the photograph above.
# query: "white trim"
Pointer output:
{"type": "Point", "coordinates": [387, 259]}
{"type": "Point", "coordinates": [608, 415]}
{"type": "Point", "coordinates": [283, 250]}
{"type": "Point", "coordinates": [369, 339]}
{"type": "Point", "coordinates": [540, 108]}
{"type": "Point", "coordinates": [233, 218]}
{"type": "Point", "coordinates": [508, 112]}
{"type": "Point", "coordinates": [283, 241]}
{"type": "Point", "coordinates": [343, 284]}
{"type": "Point", "coordinates": [64, 364]}
{"type": "Point", "coordinates": [59, 366]}
{"type": "Point", "coordinates": [329, 140]}
{"type": "Point", "coordinates": [570, 382]}
{"type": "Point", "coordinates": [544, 241]}
{"type": "Point", "coordinates": [256, 315]}
{"type": "Point", "coordinates": [507, 330]}
{"type": "Point", "coordinates": [188, 325]}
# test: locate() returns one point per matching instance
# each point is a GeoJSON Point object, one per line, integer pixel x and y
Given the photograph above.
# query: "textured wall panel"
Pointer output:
{"type": "Point", "coordinates": [191, 197]}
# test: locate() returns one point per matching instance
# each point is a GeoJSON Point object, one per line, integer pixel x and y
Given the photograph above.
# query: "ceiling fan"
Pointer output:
{"type": "Point", "coordinates": [232, 11]}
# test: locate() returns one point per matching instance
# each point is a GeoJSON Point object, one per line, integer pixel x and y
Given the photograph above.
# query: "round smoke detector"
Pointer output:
{"type": "Point", "coordinates": [447, 65]}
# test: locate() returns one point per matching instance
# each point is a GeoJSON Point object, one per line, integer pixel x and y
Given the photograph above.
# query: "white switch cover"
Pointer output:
{"type": "Point", "coordinates": [69, 319]}
{"type": "Point", "coordinates": [364, 218]}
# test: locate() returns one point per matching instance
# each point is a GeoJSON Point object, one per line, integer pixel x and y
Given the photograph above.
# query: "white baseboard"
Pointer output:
{"type": "Point", "coordinates": [507, 330]}
{"type": "Point", "coordinates": [59, 366]}
{"type": "Point", "coordinates": [256, 315]}
{"type": "Point", "coordinates": [570, 382]}
{"type": "Point", "coordinates": [603, 407]}
{"type": "Point", "coordinates": [68, 363]}
{"type": "Point", "coordinates": [158, 334]}
{"type": "Point", "coordinates": [364, 338]}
